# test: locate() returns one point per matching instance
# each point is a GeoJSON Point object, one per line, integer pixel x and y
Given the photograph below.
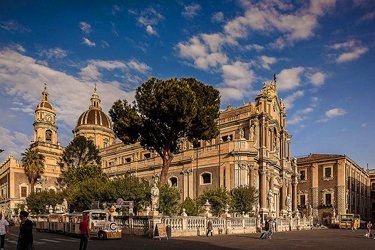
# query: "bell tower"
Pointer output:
{"type": "Point", "coordinates": [45, 127]}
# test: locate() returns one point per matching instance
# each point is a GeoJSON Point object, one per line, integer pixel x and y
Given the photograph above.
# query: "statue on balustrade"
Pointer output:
{"type": "Point", "coordinates": [154, 197]}
{"type": "Point", "coordinates": [270, 200]}
{"type": "Point", "coordinates": [288, 203]}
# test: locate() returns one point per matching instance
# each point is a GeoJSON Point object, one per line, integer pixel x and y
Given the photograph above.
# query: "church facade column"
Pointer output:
{"type": "Point", "coordinates": [283, 197]}
{"type": "Point", "coordinates": [263, 192]}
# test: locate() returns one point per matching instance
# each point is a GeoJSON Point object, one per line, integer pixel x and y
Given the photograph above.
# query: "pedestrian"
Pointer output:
{"type": "Point", "coordinates": [25, 238]}
{"type": "Point", "coordinates": [84, 231]}
{"type": "Point", "coordinates": [353, 225]}
{"type": "Point", "coordinates": [276, 222]}
{"type": "Point", "coordinates": [210, 228]}
{"type": "Point", "coordinates": [369, 225]}
{"type": "Point", "coordinates": [4, 230]}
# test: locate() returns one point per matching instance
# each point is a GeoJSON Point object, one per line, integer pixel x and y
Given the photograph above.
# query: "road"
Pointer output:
{"type": "Point", "coordinates": [313, 239]}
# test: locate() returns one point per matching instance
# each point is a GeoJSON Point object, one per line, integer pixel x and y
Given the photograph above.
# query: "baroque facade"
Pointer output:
{"type": "Point", "coordinates": [330, 185]}
{"type": "Point", "coordinates": [252, 148]}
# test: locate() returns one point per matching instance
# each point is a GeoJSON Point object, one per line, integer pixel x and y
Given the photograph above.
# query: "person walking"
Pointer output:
{"type": "Point", "coordinates": [4, 230]}
{"type": "Point", "coordinates": [210, 228]}
{"type": "Point", "coordinates": [84, 231]}
{"type": "Point", "coordinates": [369, 225]}
{"type": "Point", "coordinates": [25, 238]}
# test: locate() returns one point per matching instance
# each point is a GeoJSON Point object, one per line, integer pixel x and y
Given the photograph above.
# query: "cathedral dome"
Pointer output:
{"type": "Point", "coordinates": [45, 105]}
{"type": "Point", "coordinates": [95, 125]}
{"type": "Point", "coordinates": [94, 116]}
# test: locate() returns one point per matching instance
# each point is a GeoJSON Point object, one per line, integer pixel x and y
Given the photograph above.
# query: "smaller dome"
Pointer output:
{"type": "Point", "coordinates": [45, 105]}
{"type": "Point", "coordinates": [94, 117]}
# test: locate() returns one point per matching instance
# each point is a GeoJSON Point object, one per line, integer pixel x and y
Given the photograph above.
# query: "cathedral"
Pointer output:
{"type": "Point", "coordinates": [253, 148]}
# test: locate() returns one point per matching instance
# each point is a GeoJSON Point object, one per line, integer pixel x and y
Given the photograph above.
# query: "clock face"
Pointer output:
{"type": "Point", "coordinates": [48, 117]}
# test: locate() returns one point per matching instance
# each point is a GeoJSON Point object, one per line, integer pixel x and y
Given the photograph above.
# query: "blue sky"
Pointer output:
{"type": "Point", "coordinates": [322, 52]}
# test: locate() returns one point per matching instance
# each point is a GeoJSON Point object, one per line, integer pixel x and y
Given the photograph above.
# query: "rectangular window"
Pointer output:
{"type": "Point", "coordinates": [303, 175]}
{"type": "Point", "coordinates": [328, 199]}
{"type": "Point", "coordinates": [373, 186]}
{"type": "Point", "coordinates": [23, 192]}
{"type": "Point", "coordinates": [302, 200]}
{"type": "Point", "coordinates": [128, 159]}
{"type": "Point", "coordinates": [328, 172]}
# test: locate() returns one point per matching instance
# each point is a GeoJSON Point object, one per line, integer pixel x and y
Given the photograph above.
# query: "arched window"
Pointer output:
{"type": "Point", "coordinates": [49, 136]}
{"type": "Point", "coordinates": [173, 181]}
{"type": "Point", "coordinates": [206, 178]}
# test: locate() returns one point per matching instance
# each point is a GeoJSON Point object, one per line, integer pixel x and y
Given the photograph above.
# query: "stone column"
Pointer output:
{"type": "Point", "coordinates": [283, 197]}
{"type": "Point", "coordinates": [263, 190]}
{"type": "Point", "coordinates": [314, 191]}
{"type": "Point", "coordinates": [294, 191]}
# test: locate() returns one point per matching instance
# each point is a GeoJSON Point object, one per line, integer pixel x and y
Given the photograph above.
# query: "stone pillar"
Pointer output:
{"type": "Point", "coordinates": [263, 190]}
{"type": "Point", "coordinates": [294, 191]}
{"type": "Point", "coordinates": [314, 191]}
{"type": "Point", "coordinates": [340, 189]}
{"type": "Point", "coordinates": [283, 197]}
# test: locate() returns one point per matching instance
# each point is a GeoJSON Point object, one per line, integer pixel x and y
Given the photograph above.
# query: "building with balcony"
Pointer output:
{"type": "Point", "coordinates": [330, 185]}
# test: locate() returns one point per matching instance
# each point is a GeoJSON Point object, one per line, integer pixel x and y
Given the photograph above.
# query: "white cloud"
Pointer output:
{"type": "Point", "coordinates": [22, 77]}
{"type": "Point", "coordinates": [299, 116]}
{"type": "Point", "coordinates": [348, 44]}
{"type": "Point", "coordinates": [289, 79]}
{"type": "Point", "coordinates": [332, 113]}
{"type": "Point", "coordinates": [53, 53]}
{"type": "Point", "coordinates": [17, 47]}
{"type": "Point", "coordinates": [115, 9]}
{"type": "Point", "coordinates": [14, 26]}
{"type": "Point", "coordinates": [266, 61]}
{"type": "Point", "coordinates": [149, 18]}
{"type": "Point", "coordinates": [138, 66]}
{"type": "Point", "coordinates": [364, 125]}
{"type": "Point", "coordinates": [317, 78]}
{"type": "Point", "coordinates": [217, 17]}
{"type": "Point", "coordinates": [350, 50]}
{"type": "Point", "coordinates": [150, 30]}
{"type": "Point", "coordinates": [254, 46]}
{"type": "Point", "coordinates": [238, 74]}
{"type": "Point", "coordinates": [199, 52]}
{"type": "Point", "coordinates": [352, 55]}
{"type": "Point", "coordinates": [368, 17]}
{"type": "Point", "coordinates": [88, 42]}
{"type": "Point", "coordinates": [85, 27]}
{"type": "Point", "coordinates": [289, 100]}
{"type": "Point", "coordinates": [13, 142]}
{"type": "Point", "coordinates": [105, 44]}
{"type": "Point", "coordinates": [92, 70]}
{"type": "Point", "coordinates": [228, 93]}
{"type": "Point", "coordinates": [191, 11]}
{"type": "Point", "coordinates": [335, 112]}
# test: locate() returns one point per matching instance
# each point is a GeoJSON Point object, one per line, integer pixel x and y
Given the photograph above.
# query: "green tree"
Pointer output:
{"type": "Point", "coordinates": [33, 165]}
{"type": "Point", "coordinates": [79, 152]}
{"type": "Point", "coordinates": [74, 176]}
{"type": "Point", "coordinates": [36, 202]}
{"type": "Point", "coordinates": [217, 197]}
{"type": "Point", "coordinates": [169, 200]}
{"type": "Point", "coordinates": [166, 111]}
{"type": "Point", "coordinates": [190, 206]}
{"type": "Point", "coordinates": [81, 195]}
{"type": "Point", "coordinates": [131, 188]}
{"type": "Point", "coordinates": [243, 199]}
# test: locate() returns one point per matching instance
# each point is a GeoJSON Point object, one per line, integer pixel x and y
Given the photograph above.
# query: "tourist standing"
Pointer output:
{"type": "Point", "coordinates": [210, 228]}
{"type": "Point", "coordinates": [369, 225]}
{"type": "Point", "coordinates": [3, 230]}
{"type": "Point", "coordinates": [84, 231]}
{"type": "Point", "coordinates": [25, 238]}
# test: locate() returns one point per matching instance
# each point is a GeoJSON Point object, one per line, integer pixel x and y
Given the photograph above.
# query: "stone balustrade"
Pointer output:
{"type": "Point", "coordinates": [197, 225]}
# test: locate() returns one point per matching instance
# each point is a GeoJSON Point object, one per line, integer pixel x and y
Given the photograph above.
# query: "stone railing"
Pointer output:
{"type": "Point", "coordinates": [197, 225]}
